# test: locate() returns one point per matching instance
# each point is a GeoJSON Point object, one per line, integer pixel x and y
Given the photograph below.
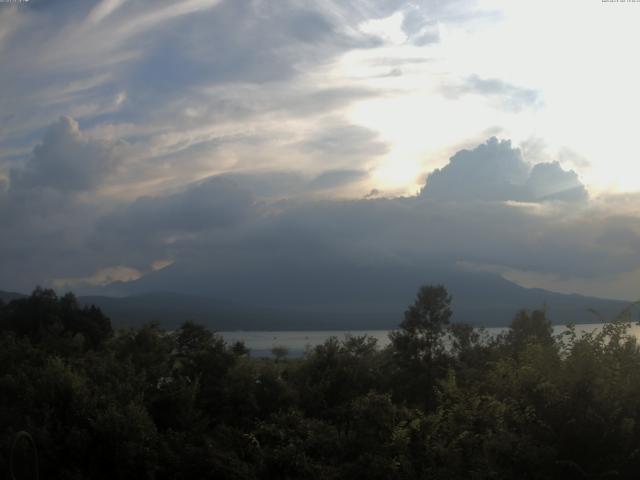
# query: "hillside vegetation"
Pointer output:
{"type": "Point", "coordinates": [442, 401]}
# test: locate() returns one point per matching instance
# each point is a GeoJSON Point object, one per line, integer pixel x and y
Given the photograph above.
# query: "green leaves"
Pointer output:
{"type": "Point", "coordinates": [442, 401]}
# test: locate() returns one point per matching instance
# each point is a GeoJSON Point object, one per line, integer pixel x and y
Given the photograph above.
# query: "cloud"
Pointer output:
{"type": "Point", "coordinates": [548, 181]}
{"type": "Point", "coordinates": [66, 160]}
{"type": "Point", "coordinates": [216, 135]}
{"type": "Point", "coordinates": [469, 226]}
{"type": "Point", "coordinates": [298, 242]}
{"type": "Point", "coordinates": [197, 87]}
{"type": "Point", "coordinates": [496, 171]}
{"type": "Point", "coordinates": [336, 178]}
{"type": "Point", "coordinates": [491, 171]}
{"type": "Point", "coordinates": [160, 264]}
{"type": "Point", "coordinates": [510, 96]}
{"type": "Point", "coordinates": [270, 184]}
{"type": "Point", "coordinates": [216, 202]}
{"type": "Point", "coordinates": [153, 227]}
{"type": "Point", "coordinates": [567, 155]}
{"type": "Point", "coordinates": [163, 49]}
{"type": "Point", "coordinates": [103, 10]}
{"type": "Point", "coordinates": [373, 193]}
{"type": "Point", "coordinates": [345, 142]}
{"type": "Point", "coordinates": [488, 206]}
{"type": "Point", "coordinates": [102, 277]}
{"type": "Point", "coordinates": [419, 27]}
{"type": "Point", "coordinates": [52, 211]}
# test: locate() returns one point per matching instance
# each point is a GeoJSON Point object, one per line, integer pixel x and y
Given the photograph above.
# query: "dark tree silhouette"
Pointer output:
{"type": "Point", "coordinates": [43, 315]}
{"type": "Point", "coordinates": [418, 344]}
{"type": "Point", "coordinates": [155, 404]}
{"type": "Point", "coordinates": [530, 327]}
{"type": "Point", "coordinates": [419, 339]}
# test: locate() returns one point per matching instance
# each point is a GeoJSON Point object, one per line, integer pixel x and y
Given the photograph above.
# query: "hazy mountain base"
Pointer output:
{"type": "Point", "coordinates": [340, 297]}
{"type": "Point", "coordinates": [478, 299]}
{"type": "Point", "coordinates": [172, 309]}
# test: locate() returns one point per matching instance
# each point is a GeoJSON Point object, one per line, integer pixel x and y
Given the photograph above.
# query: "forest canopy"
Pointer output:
{"type": "Point", "coordinates": [442, 401]}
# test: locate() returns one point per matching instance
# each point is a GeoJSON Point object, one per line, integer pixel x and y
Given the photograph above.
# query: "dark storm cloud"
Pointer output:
{"type": "Point", "coordinates": [324, 242]}
{"type": "Point", "coordinates": [152, 228]}
{"type": "Point", "coordinates": [43, 235]}
{"type": "Point", "coordinates": [213, 203]}
{"type": "Point", "coordinates": [65, 160]}
{"type": "Point", "coordinates": [270, 184]}
{"type": "Point", "coordinates": [47, 210]}
{"type": "Point", "coordinates": [254, 225]}
{"type": "Point", "coordinates": [273, 186]}
{"type": "Point", "coordinates": [305, 236]}
{"type": "Point", "coordinates": [51, 234]}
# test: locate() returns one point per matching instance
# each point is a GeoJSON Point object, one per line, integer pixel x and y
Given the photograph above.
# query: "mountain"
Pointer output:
{"type": "Point", "coordinates": [6, 297]}
{"type": "Point", "coordinates": [172, 309]}
{"type": "Point", "coordinates": [336, 298]}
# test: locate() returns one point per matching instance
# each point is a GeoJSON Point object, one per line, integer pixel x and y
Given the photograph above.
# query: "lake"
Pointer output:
{"type": "Point", "coordinates": [261, 343]}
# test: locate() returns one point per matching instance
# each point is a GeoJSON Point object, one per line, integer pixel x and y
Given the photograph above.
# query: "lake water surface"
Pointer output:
{"type": "Point", "coordinates": [261, 343]}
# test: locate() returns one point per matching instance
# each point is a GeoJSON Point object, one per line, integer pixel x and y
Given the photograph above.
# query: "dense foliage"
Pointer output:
{"type": "Point", "coordinates": [443, 401]}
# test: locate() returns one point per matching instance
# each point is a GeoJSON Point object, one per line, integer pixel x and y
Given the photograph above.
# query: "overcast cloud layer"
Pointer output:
{"type": "Point", "coordinates": [229, 134]}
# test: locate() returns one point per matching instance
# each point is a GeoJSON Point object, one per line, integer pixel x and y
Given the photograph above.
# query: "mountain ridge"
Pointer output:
{"type": "Point", "coordinates": [481, 299]}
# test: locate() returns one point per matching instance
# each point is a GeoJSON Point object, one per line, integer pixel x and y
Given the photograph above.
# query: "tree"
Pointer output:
{"type": "Point", "coordinates": [418, 343]}
{"type": "Point", "coordinates": [89, 321]}
{"type": "Point", "coordinates": [193, 339]}
{"type": "Point", "coordinates": [532, 327]}
{"type": "Point", "coordinates": [420, 336]}
{"type": "Point", "coordinates": [43, 316]}
{"type": "Point", "coordinates": [280, 352]}
{"type": "Point", "coordinates": [240, 349]}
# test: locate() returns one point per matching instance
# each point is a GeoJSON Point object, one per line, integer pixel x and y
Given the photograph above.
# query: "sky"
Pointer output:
{"type": "Point", "coordinates": [138, 135]}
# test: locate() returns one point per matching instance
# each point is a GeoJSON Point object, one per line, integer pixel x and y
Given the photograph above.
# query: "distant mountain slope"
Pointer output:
{"type": "Point", "coordinates": [8, 296]}
{"type": "Point", "coordinates": [172, 309]}
{"type": "Point", "coordinates": [347, 298]}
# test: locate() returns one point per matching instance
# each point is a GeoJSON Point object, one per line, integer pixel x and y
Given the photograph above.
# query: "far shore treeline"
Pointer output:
{"type": "Point", "coordinates": [442, 401]}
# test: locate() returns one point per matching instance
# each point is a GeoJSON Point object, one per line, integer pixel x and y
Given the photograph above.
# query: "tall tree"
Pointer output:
{"type": "Point", "coordinates": [418, 344]}
{"type": "Point", "coordinates": [420, 336]}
